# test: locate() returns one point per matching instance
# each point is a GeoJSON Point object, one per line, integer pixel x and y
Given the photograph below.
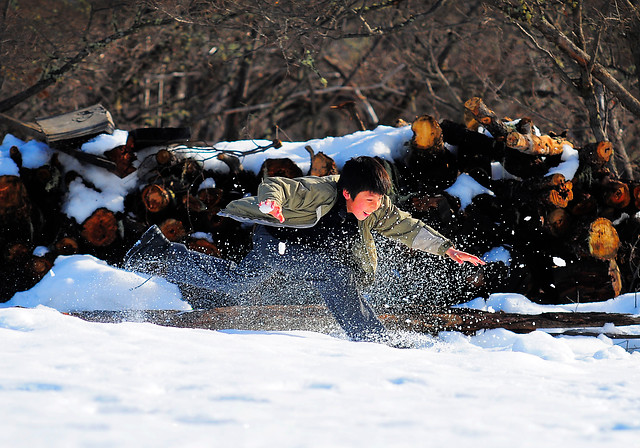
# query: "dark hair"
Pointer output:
{"type": "Point", "coordinates": [364, 174]}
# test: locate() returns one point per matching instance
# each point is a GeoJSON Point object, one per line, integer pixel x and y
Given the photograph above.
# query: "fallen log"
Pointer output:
{"type": "Point", "coordinates": [123, 157]}
{"type": "Point", "coordinates": [205, 246]}
{"type": "Point", "coordinates": [67, 246]}
{"type": "Point", "coordinates": [558, 191]}
{"type": "Point", "coordinates": [636, 196]}
{"type": "Point", "coordinates": [318, 318]}
{"type": "Point", "coordinates": [16, 254]}
{"type": "Point", "coordinates": [584, 280]}
{"type": "Point", "coordinates": [583, 204]}
{"type": "Point", "coordinates": [615, 193]}
{"type": "Point", "coordinates": [38, 267]}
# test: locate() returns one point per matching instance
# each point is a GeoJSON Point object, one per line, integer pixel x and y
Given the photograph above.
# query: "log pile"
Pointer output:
{"type": "Point", "coordinates": [569, 239]}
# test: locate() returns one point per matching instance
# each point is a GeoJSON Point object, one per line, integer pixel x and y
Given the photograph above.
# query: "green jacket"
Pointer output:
{"type": "Point", "coordinates": [305, 200]}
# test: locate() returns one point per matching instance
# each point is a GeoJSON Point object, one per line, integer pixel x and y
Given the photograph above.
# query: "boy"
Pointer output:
{"type": "Point", "coordinates": [311, 229]}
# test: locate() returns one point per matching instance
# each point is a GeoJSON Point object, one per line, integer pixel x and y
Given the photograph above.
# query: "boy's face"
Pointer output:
{"type": "Point", "coordinates": [365, 203]}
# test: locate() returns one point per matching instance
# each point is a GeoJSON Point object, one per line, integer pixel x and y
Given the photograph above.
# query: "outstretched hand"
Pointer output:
{"type": "Point", "coordinates": [460, 257]}
{"type": "Point", "coordinates": [272, 208]}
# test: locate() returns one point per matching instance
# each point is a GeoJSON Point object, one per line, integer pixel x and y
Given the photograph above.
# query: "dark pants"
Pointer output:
{"type": "Point", "coordinates": [323, 270]}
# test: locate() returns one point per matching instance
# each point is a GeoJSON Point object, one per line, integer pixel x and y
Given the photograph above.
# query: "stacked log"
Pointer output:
{"type": "Point", "coordinates": [565, 227]}
{"type": "Point", "coordinates": [569, 239]}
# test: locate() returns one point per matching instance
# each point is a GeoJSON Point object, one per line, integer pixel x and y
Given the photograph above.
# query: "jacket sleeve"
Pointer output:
{"type": "Point", "coordinates": [302, 195]}
{"type": "Point", "coordinates": [391, 222]}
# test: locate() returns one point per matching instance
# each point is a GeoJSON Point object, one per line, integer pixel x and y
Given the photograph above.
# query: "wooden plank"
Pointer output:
{"type": "Point", "coordinates": [92, 120]}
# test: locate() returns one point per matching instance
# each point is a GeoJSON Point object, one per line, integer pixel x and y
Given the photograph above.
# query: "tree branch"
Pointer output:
{"type": "Point", "coordinates": [51, 77]}
{"type": "Point", "coordinates": [630, 102]}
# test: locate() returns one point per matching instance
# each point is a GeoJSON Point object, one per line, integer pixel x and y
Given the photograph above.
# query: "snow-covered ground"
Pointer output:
{"type": "Point", "coordinates": [65, 382]}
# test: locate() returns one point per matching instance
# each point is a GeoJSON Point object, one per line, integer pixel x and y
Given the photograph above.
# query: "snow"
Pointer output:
{"type": "Point", "coordinates": [466, 188]}
{"type": "Point", "coordinates": [569, 165]}
{"type": "Point", "coordinates": [85, 283]}
{"type": "Point", "coordinates": [498, 254]}
{"type": "Point", "coordinates": [66, 382]}
{"type": "Point", "coordinates": [104, 142]}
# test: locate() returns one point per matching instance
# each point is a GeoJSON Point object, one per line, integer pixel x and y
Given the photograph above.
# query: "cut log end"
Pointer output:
{"type": "Point", "coordinates": [13, 194]}
{"type": "Point", "coordinates": [165, 157]}
{"type": "Point", "coordinates": [616, 194]}
{"type": "Point", "coordinates": [604, 151]}
{"type": "Point", "coordinates": [211, 197]}
{"type": "Point", "coordinates": [603, 239]}
{"type": "Point", "coordinates": [192, 204]}
{"type": "Point", "coordinates": [157, 198]}
{"type": "Point", "coordinates": [17, 253]}
{"type": "Point", "coordinates": [558, 199]}
{"type": "Point", "coordinates": [427, 134]}
{"type": "Point", "coordinates": [67, 246]}
{"type": "Point", "coordinates": [559, 222]}
{"type": "Point", "coordinates": [123, 158]}
{"type": "Point", "coordinates": [101, 228]}
{"type": "Point", "coordinates": [38, 267]}
{"type": "Point", "coordinates": [173, 229]}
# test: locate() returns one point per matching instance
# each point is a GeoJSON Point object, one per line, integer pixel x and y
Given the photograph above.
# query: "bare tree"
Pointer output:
{"type": "Point", "coordinates": [582, 41]}
{"type": "Point", "coordinates": [295, 69]}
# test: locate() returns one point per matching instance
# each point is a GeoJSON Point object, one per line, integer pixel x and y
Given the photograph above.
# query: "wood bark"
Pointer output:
{"type": "Point", "coordinates": [283, 167]}
{"type": "Point", "coordinates": [429, 165]}
{"type": "Point", "coordinates": [529, 143]}
{"type": "Point", "coordinates": [15, 210]}
{"type": "Point", "coordinates": [476, 108]}
{"type": "Point", "coordinates": [321, 164]}
{"type": "Point", "coordinates": [317, 318]}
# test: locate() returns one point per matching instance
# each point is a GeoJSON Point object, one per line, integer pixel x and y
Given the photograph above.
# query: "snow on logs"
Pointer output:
{"type": "Point", "coordinates": [571, 235]}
